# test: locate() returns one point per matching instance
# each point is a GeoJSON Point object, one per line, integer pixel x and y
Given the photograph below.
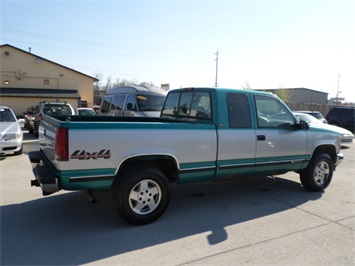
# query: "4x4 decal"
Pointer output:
{"type": "Point", "coordinates": [84, 155]}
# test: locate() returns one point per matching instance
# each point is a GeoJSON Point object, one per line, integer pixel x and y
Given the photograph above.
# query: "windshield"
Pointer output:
{"type": "Point", "coordinates": [86, 112]}
{"type": "Point", "coordinates": [6, 115]}
{"type": "Point", "coordinates": [150, 102]}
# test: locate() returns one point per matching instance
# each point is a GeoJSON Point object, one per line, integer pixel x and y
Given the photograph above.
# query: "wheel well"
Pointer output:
{"type": "Point", "coordinates": [328, 149]}
{"type": "Point", "coordinates": [166, 164]}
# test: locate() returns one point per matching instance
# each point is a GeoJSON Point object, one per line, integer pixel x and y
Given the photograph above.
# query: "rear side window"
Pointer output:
{"type": "Point", "coordinates": [119, 101]}
{"type": "Point", "coordinates": [131, 104]}
{"type": "Point", "coordinates": [238, 110]}
{"type": "Point", "coordinates": [172, 104]}
{"type": "Point", "coordinates": [349, 113]}
{"type": "Point", "coordinates": [105, 106]}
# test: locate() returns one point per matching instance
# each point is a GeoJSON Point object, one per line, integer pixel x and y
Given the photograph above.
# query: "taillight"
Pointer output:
{"type": "Point", "coordinates": [39, 117]}
{"type": "Point", "coordinates": [61, 144]}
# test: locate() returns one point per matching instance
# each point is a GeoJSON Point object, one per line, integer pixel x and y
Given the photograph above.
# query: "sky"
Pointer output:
{"type": "Point", "coordinates": [261, 44]}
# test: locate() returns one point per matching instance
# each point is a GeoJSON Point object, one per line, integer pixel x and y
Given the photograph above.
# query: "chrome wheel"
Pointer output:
{"type": "Point", "coordinates": [318, 174]}
{"type": "Point", "coordinates": [321, 172]}
{"type": "Point", "coordinates": [145, 197]}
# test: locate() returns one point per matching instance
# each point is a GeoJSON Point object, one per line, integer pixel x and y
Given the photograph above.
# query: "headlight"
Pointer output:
{"type": "Point", "coordinates": [10, 136]}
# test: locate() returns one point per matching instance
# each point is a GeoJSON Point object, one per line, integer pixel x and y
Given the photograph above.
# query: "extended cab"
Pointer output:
{"type": "Point", "coordinates": [202, 134]}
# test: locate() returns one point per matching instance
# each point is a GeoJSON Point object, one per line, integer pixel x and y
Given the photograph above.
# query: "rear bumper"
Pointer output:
{"type": "Point", "coordinates": [44, 173]}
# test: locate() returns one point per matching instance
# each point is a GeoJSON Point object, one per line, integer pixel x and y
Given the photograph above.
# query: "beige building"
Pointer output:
{"type": "Point", "coordinates": [26, 79]}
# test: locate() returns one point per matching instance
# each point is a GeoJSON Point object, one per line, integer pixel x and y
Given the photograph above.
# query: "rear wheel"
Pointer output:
{"type": "Point", "coordinates": [318, 174]}
{"type": "Point", "coordinates": [142, 195]}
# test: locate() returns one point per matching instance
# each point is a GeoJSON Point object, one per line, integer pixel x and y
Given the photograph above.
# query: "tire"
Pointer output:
{"type": "Point", "coordinates": [142, 195]}
{"type": "Point", "coordinates": [318, 174]}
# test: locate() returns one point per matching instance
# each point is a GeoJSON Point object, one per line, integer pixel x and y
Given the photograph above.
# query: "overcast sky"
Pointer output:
{"type": "Point", "coordinates": [261, 44]}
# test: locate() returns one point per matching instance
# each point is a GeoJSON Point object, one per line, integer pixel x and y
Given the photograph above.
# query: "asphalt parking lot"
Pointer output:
{"type": "Point", "coordinates": [245, 221]}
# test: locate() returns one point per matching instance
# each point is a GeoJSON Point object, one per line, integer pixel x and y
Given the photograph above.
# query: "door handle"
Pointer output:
{"type": "Point", "coordinates": [261, 137]}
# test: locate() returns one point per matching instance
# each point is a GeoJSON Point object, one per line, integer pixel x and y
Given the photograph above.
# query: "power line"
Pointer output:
{"type": "Point", "coordinates": [100, 44]}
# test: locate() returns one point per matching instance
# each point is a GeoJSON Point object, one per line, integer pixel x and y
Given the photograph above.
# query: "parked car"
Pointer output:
{"type": "Point", "coordinates": [84, 111]}
{"type": "Point", "coordinates": [29, 119]}
{"type": "Point", "coordinates": [50, 108]}
{"type": "Point", "coordinates": [11, 133]}
{"type": "Point", "coordinates": [346, 135]}
{"type": "Point", "coordinates": [138, 101]}
{"type": "Point", "coordinates": [315, 114]}
{"type": "Point", "coordinates": [342, 116]}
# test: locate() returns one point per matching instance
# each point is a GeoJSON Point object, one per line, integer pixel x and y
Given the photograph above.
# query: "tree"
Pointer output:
{"type": "Point", "coordinates": [246, 86]}
{"type": "Point", "coordinates": [283, 94]}
{"type": "Point", "coordinates": [105, 84]}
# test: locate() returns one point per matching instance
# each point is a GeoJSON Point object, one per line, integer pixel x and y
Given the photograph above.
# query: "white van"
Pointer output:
{"type": "Point", "coordinates": [137, 100]}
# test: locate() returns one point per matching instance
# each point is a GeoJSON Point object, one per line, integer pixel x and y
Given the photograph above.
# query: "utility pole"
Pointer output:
{"type": "Point", "coordinates": [337, 95]}
{"type": "Point", "coordinates": [216, 84]}
{"type": "Point", "coordinates": [338, 87]}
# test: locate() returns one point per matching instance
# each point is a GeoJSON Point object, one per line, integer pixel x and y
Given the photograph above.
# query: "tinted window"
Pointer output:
{"type": "Point", "coordinates": [238, 110]}
{"type": "Point", "coordinates": [171, 105]}
{"type": "Point", "coordinates": [185, 104]}
{"type": "Point", "coordinates": [349, 113]}
{"type": "Point", "coordinates": [131, 104]}
{"type": "Point", "coordinates": [119, 101]}
{"type": "Point", "coordinates": [57, 109]}
{"type": "Point", "coordinates": [105, 106]}
{"type": "Point", "coordinates": [150, 102]}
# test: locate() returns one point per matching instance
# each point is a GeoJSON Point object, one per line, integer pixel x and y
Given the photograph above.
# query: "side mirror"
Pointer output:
{"type": "Point", "coordinates": [303, 125]}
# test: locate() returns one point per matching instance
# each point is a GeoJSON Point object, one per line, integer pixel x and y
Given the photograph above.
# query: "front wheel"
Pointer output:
{"type": "Point", "coordinates": [318, 174]}
{"type": "Point", "coordinates": [142, 195]}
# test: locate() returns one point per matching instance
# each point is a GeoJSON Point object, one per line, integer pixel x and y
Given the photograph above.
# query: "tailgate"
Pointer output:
{"type": "Point", "coordinates": [47, 133]}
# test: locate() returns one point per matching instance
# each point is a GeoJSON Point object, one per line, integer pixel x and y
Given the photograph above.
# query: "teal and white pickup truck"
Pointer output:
{"type": "Point", "coordinates": [202, 134]}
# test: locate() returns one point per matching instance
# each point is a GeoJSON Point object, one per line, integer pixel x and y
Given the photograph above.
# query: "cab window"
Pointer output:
{"type": "Point", "coordinates": [271, 113]}
{"type": "Point", "coordinates": [189, 104]}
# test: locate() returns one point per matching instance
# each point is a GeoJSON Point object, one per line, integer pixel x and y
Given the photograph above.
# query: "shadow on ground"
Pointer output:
{"type": "Point", "coordinates": [65, 229]}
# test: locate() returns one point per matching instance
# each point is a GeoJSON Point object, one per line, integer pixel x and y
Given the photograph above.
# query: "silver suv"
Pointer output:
{"type": "Point", "coordinates": [50, 108]}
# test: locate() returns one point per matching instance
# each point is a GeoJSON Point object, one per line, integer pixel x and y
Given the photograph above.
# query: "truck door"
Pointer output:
{"type": "Point", "coordinates": [237, 145]}
{"type": "Point", "coordinates": [280, 146]}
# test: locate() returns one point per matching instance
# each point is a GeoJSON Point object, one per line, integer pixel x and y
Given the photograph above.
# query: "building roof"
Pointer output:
{"type": "Point", "coordinates": [37, 56]}
{"type": "Point", "coordinates": [304, 89]}
{"type": "Point", "coordinates": [39, 93]}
